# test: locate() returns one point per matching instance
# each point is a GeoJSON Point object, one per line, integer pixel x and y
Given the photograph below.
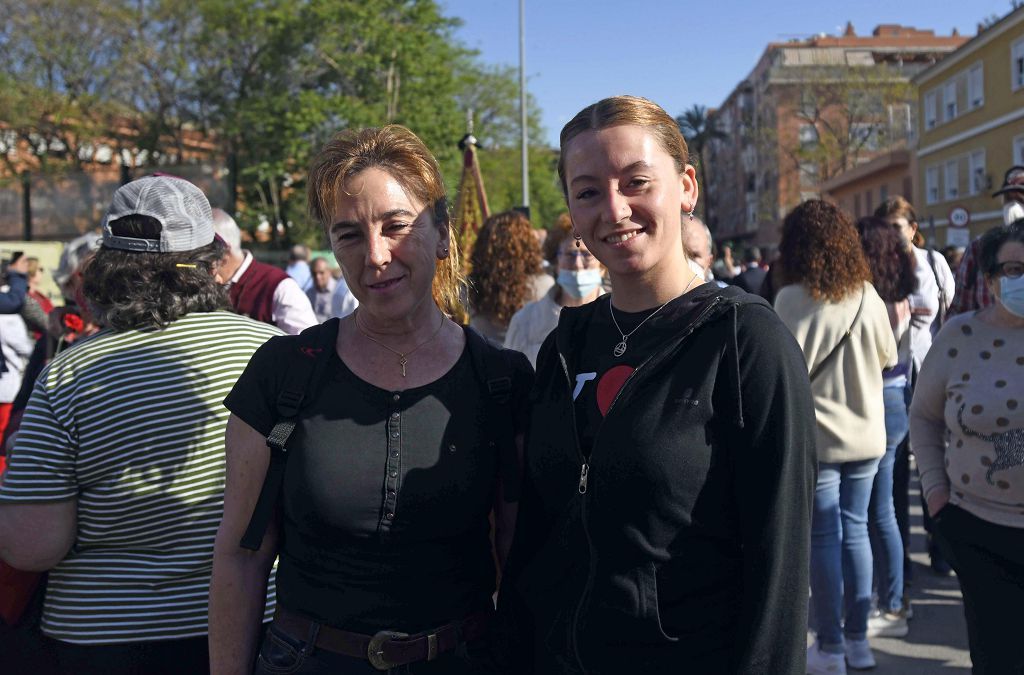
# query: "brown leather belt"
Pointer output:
{"type": "Point", "coordinates": [386, 649]}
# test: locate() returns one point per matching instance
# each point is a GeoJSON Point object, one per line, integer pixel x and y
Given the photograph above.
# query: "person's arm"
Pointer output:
{"type": "Point", "coordinates": [772, 440]}
{"type": "Point", "coordinates": [12, 300]}
{"type": "Point", "coordinates": [292, 311]}
{"type": "Point", "coordinates": [238, 586]}
{"type": "Point", "coordinates": [36, 536]}
{"type": "Point", "coordinates": [928, 423]}
{"type": "Point", "coordinates": [39, 490]}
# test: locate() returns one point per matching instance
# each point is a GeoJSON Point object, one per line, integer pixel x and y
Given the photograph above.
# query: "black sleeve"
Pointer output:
{"type": "Point", "coordinates": [775, 471]}
{"type": "Point", "coordinates": [253, 399]}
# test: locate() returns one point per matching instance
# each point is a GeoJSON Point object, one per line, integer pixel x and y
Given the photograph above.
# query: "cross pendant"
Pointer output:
{"type": "Point", "coordinates": [402, 361]}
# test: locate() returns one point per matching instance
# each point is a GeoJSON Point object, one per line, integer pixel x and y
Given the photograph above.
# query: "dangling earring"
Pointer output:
{"type": "Point", "coordinates": [691, 211]}
{"type": "Point", "coordinates": [578, 238]}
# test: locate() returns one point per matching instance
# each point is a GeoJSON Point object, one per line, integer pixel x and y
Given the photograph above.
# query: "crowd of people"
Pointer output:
{"type": "Point", "coordinates": [590, 448]}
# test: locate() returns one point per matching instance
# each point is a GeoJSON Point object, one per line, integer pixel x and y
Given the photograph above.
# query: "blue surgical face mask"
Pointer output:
{"type": "Point", "coordinates": [1011, 295]}
{"type": "Point", "coordinates": [579, 283]}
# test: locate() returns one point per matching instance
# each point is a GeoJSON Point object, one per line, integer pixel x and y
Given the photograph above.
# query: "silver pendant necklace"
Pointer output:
{"type": "Point", "coordinates": [620, 346]}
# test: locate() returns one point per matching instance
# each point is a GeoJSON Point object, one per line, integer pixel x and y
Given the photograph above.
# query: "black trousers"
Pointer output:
{"type": "Point", "coordinates": [989, 563]}
{"type": "Point", "coordinates": [189, 656]}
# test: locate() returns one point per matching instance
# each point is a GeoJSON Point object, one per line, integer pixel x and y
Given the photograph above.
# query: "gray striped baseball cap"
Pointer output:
{"type": "Point", "coordinates": [180, 207]}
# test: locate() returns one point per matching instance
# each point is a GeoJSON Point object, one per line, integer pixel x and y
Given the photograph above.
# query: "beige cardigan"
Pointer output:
{"type": "Point", "coordinates": [848, 392]}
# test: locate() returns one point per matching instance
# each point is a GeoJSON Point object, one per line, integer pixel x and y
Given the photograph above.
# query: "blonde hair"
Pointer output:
{"type": "Point", "coordinates": [399, 152]}
{"type": "Point", "coordinates": [623, 110]}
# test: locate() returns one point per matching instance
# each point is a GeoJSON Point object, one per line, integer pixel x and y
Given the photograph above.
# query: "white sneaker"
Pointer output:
{"type": "Point", "coordinates": [858, 654]}
{"type": "Point", "coordinates": [888, 624]}
{"type": "Point", "coordinates": [823, 663]}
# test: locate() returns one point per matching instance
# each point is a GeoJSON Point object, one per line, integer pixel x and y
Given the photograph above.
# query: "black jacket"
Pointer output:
{"type": "Point", "coordinates": [689, 550]}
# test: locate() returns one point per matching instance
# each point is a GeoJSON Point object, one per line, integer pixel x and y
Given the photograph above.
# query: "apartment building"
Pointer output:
{"type": "Point", "coordinates": [810, 110]}
{"type": "Point", "coordinates": [971, 129]}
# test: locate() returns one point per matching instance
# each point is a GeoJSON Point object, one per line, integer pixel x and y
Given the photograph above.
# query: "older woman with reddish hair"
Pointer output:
{"type": "Point", "coordinates": [842, 326]}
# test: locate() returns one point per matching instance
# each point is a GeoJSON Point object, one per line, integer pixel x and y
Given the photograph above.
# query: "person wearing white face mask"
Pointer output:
{"type": "Point", "coordinates": [578, 281]}
{"type": "Point", "coordinates": [967, 422]}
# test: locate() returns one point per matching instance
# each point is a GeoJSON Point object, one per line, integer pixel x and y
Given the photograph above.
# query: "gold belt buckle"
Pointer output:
{"type": "Point", "coordinates": [375, 650]}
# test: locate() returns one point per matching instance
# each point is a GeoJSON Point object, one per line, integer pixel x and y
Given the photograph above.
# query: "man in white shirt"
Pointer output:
{"type": "Point", "coordinates": [257, 290]}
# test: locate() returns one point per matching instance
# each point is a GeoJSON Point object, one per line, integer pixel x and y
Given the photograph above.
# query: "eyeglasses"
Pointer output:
{"type": "Point", "coordinates": [1011, 269]}
{"type": "Point", "coordinates": [573, 256]}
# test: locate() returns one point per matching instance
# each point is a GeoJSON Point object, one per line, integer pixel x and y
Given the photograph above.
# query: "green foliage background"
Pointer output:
{"type": "Point", "coordinates": [268, 81]}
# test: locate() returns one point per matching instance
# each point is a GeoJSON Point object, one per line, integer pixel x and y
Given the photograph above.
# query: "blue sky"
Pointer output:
{"type": "Point", "coordinates": [674, 52]}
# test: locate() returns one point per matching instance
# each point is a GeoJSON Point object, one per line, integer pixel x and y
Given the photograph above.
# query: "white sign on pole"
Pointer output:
{"type": "Point", "coordinates": [959, 217]}
{"type": "Point", "coordinates": [958, 236]}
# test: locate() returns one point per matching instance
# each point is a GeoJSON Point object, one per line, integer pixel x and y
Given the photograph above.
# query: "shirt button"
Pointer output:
{"type": "Point", "coordinates": [389, 516]}
{"type": "Point", "coordinates": [394, 474]}
{"type": "Point", "coordinates": [396, 397]}
{"type": "Point", "coordinates": [451, 447]}
{"type": "Point", "coordinates": [394, 435]}
{"type": "Point", "coordinates": [394, 454]}
{"type": "Point", "coordinates": [394, 416]}
{"type": "Point", "coordinates": [391, 493]}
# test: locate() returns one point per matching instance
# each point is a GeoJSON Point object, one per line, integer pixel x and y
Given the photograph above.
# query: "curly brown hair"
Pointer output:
{"type": "Point", "coordinates": [820, 249]}
{"type": "Point", "coordinates": [132, 290]}
{"type": "Point", "coordinates": [505, 256]}
{"type": "Point", "coordinates": [557, 233]}
{"type": "Point", "coordinates": [892, 265]}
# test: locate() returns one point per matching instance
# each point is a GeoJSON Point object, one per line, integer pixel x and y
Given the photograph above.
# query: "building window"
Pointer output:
{"type": "Point", "coordinates": [949, 109]}
{"type": "Point", "coordinates": [931, 185]}
{"type": "Point", "coordinates": [1018, 150]}
{"type": "Point", "coordinates": [883, 193]}
{"type": "Point", "coordinates": [908, 188]}
{"type": "Point", "coordinates": [977, 181]}
{"type": "Point", "coordinates": [1017, 65]}
{"type": "Point", "coordinates": [808, 136]}
{"type": "Point", "coordinates": [930, 117]}
{"type": "Point", "coordinates": [808, 174]}
{"type": "Point", "coordinates": [751, 182]}
{"type": "Point", "coordinates": [869, 202]}
{"type": "Point", "coordinates": [975, 87]}
{"type": "Point", "coordinates": [951, 178]}
{"type": "Point", "coordinates": [865, 136]}
{"type": "Point", "coordinates": [856, 205]}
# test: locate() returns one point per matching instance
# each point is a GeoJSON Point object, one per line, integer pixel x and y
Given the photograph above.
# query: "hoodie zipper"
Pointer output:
{"type": "Point", "coordinates": [585, 472]}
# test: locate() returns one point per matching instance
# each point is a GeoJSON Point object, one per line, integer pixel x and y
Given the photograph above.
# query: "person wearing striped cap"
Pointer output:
{"type": "Point", "coordinates": [116, 481]}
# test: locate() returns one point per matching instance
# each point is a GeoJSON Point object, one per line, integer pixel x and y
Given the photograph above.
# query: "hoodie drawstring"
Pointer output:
{"type": "Point", "coordinates": [736, 365]}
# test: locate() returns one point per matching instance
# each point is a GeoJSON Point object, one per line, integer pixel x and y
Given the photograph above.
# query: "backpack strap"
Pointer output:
{"type": "Point", "coordinates": [305, 368]}
{"type": "Point", "coordinates": [495, 372]}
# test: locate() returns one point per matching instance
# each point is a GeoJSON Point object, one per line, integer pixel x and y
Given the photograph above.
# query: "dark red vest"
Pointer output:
{"type": "Point", "coordinates": [253, 293]}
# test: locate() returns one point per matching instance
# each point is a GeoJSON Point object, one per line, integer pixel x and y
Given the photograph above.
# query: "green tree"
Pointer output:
{"type": "Point", "coordinates": [699, 130]}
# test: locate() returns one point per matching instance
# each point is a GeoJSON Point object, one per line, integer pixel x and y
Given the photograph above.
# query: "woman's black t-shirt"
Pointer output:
{"type": "Point", "coordinates": [386, 496]}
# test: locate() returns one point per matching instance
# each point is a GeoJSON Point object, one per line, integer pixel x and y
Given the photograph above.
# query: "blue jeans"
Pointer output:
{"type": "Point", "coordinates": [841, 551]}
{"type": "Point", "coordinates": [886, 543]}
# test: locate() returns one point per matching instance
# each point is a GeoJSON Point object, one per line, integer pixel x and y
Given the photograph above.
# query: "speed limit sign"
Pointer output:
{"type": "Point", "coordinates": [959, 217]}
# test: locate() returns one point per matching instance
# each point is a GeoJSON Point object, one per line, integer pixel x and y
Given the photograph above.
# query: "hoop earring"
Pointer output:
{"type": "Point", "coordinates": [578, 237]}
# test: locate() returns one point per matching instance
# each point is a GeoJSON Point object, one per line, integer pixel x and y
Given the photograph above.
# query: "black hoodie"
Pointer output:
{"type": "Point", "coordinates": [688, 550]}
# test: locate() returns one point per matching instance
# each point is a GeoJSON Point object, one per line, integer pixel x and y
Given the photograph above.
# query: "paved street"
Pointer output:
{"type": "Point", "coordinates": [937, 642]}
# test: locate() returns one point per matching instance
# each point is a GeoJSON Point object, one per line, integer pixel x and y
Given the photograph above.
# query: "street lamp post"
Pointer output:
{"type": "Point", "coordinates": [522, 105]}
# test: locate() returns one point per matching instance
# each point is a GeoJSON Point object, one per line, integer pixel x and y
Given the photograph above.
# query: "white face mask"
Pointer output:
{"type": "Point", "coordinates": [695, 267]}
{"type": "Point", "coordinates": [1012, 212]}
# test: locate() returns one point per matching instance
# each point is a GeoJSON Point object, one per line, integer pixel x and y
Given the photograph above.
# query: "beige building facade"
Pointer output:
{"type": "Point", "coordinates": [971, 130]}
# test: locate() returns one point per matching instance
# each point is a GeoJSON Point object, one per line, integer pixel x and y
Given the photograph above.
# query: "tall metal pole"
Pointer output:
{"type": "Point", "coordinates": [522, 103]}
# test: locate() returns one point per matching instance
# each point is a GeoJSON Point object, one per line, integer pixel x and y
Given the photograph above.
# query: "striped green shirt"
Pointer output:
{"type": "Point", "coordinates": [132, 424]}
